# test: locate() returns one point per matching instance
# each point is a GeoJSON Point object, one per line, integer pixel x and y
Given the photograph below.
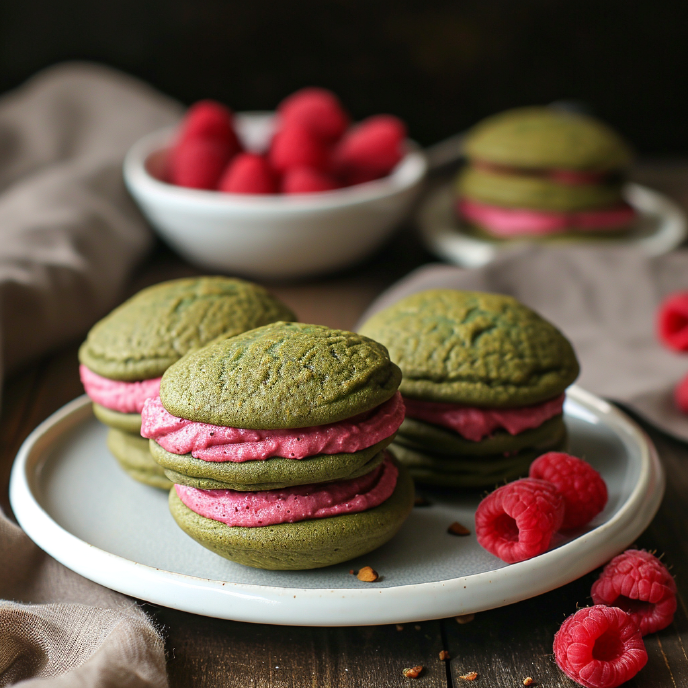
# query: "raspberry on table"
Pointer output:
{"type": "Point", "coordinates": [248, 173]}
{"type": "Point", "coordinates": [582, 487]}
{"type": "Point", "coordinates": [637, 582]}
{"type": "Point", "coordinates": [672, 321]}
{"type": "Point", "coordinates": [517, 521]}
{"type": "Point", "coordinates": [316, 109]}
{"type": "Point", "coordinates": [599, 647]}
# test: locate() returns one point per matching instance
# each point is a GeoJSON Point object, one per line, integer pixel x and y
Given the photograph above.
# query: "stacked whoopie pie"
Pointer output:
{"type": "Point", "coordinates": [484, 380]}
{"type": "Point", "coordinates": [541, 172]}
{"type": "Point", "coordinates": [126, 353]}
{"type": "Point", "coordinates": [276, 442]}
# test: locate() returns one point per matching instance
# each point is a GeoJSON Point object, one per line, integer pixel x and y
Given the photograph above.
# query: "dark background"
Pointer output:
{"type": "Point", "coordinates": [440, 65]}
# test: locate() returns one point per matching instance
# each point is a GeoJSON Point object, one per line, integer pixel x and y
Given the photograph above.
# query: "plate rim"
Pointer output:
{"type": "Point", "coordinates": [333, 607]}
{"type": "Point", "coordinates": [448, 243]}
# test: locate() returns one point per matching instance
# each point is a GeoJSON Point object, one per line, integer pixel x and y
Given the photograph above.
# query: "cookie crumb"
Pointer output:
{"type": "Point", "coordinates": [421, 501]}
{"type": "Point", "coordinates": [400, 627]}
{"type": "Point", "coordinates": [367, 574]}
{"type": "Point", "coordinates": [470, 676]}
{"type": "Point", "coordinates": [351, 572]}
{"type": "Point", "coordinates": [444, 655]}
{"type": "Point", "coordinates": [529, 681]}
{"type": "Point", "coordinates": [465, 618]}
{"type": "Point", "coordinates": [457, 529]}
{"type": "Point", "coordinates": [413, 672]}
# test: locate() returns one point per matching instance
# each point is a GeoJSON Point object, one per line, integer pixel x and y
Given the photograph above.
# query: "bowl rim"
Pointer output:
{"type": "Point", "coordinates": [408, 173]}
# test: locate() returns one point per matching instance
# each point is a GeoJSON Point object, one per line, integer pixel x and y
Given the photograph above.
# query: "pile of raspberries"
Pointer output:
{"type": "Point", "coordinates": [314, 148]}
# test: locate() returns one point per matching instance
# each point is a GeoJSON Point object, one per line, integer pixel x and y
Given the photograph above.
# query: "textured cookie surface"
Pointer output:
{"type": "Point", "coordinates": [474, 348]}
{"type": "Point", "coordinates": [133, 455]}
{"type": "Point", "coordinates": [152, 330]}
{"type": "Point", "coordinates": [271, 474]}
{"type": "Point", "coordinates": [306, 544]}
{"type": "Point", "coordinates": [127, 422]}
{"type": "Point", "coordinates": [540, 137]}
{"type": "Point", "coordinates": [522, 191]}
{"type": "Point", "coordinates": [284, 375]}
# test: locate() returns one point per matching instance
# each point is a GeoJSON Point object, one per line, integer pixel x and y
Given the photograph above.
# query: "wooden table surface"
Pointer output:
{"type": "Point", "coordinates": [503, 645]}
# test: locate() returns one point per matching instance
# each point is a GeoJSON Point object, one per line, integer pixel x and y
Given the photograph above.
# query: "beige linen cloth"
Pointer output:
{"type": "Point", "coordinates": [605, 301]}
{"type": "Point", "coordinates": [69, 236]}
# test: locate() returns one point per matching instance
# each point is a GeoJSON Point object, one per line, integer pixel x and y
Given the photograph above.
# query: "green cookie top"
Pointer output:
{"type": "Point", "coordinates": [537, 193]}
{"type": "Point", "coordinates": [141, 338]}
{"type": "Point", "coordinates": [541, 137]}
{"type": "Point", "coordinates": [284, 375]}
{"type": "Point", "coordinates": [474, 348]}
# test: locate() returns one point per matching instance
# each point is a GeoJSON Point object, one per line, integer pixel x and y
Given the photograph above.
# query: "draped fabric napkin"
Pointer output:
{"type": "Point", "coordinates": [69, 237]}
{"type": "Point", "coordinates": [604, 299]}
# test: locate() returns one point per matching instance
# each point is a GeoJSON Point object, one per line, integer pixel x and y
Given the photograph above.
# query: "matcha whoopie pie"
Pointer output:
{"type": "Point", "coordinates": [540, 171]}
{"type": "Point", "coordinates": [126, 353]}
{"type": "Point", "coordinates": [484, 380]}
{"type": "Point", "coordinates": [276, 441]}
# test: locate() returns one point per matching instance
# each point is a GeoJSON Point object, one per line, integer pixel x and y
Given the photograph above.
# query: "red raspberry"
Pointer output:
{"type": "Point", "coordinates": [374, 146]}
{"type": "Point", "coordinates": [208, 119]}
{"type": "Point", "coordinates": [316, 109]}
{"type": "Point", "coordinates": [637, 582]}
{"type": "Point", "coordinates": [672, 321]}
{"type": "Point", "coordinates": [296, 146]}
{"type": "Point", "coordinates": [248, 174]}
{"type": "Point", "coordinates": [582, 487]}
{"type": "Point", "coordinates": [307, 180]}
{"type": "Point", "coordinates": [681, 395]}
{"type": "Point", "coordinates": [599, 647]}
{"type": "Point", "coordinates": [198, 163]}
{"type": "Point", "coordinates": [517, 521]}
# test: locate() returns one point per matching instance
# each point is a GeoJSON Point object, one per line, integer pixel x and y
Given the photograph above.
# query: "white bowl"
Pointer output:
{"type": "Point", "coordinates": [281, 236]}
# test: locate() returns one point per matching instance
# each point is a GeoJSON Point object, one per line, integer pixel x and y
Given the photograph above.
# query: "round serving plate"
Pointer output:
{"type": "Point", "coordinates": [660, 227]}
{"type": "Point", "coordinates": [73, 500]}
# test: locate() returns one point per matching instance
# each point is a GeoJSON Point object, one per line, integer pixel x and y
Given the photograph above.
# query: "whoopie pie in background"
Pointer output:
{"type": "Point", "coordinates": [483, 385]}
{"type": "Point", "coordinates": [126, 353]}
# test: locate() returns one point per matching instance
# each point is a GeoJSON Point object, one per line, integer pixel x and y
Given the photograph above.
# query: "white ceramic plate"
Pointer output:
{"type": "Point", "coordinates": [661, 227]}
{"type": "Point", "coordinates": [72, 499]}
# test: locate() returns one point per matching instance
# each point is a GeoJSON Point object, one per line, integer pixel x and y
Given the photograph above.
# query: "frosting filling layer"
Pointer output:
{"type": "Point", "coordinates": [292, 504]}
{"type": "Point", "coordinates": [508, 222]}
{"type": "Point", "coordinates": [219, 443]}
{"type": "Point", "coordinates": [125, 397]}
{"type": "Point", "coordinates": [474, 423]}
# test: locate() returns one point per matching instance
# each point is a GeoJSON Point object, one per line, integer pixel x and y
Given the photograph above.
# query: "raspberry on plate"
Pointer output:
{"type": "Point", "coordinates": [599, 647]}
{"type": "Point", "coordinates": [517, 521]}
{"type": "Point", "coordinates": [672, 321]}
{"type": "Point", "coordinates": [248, 173]}
{"type": "Point", "coordinates": [316, 109]}
{"type": "Point", "coordinates": [637, 582]}
{"type": "Point", "coordinates": [295, 146]}
{"type": "Point", "coordinates": [582, 487]}
{"type": "Point", "coordinates": [307, 180]}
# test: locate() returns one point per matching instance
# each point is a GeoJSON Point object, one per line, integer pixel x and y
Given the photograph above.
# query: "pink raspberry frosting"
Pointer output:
{"type": "Point", "coordinates": [475, 423]}
{"type": "Point", "coordinates": [292, 504]}
{"type": "Point", "coordinates": [125, 397]}
{"type": "Point", "coordinates": [510, 222]}
{"type": "Point", "coordinates": [219, 443]}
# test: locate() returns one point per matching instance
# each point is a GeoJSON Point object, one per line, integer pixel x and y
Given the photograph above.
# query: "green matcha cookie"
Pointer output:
{"type": "Point", "coordinates": [270, 474]}
{"type": "Point", "coordinates": [414, 433]}
{"type": "Point", "coordinates": [141, 338]}
{"type": "Point", "coordinates": [473, 348]}
{"type": "Point", "coordinates": [536, 193]}
{"type": "Point", "coordinates": [284, 375]}
{"type": "Point", "coordinates": [306, 544]}
{"type": "Point", "coordinates": [546, 138]}
{"type": "Point", "coordinates": [133, 455]}
{"type": "Point", "coordinates": [127, 422]}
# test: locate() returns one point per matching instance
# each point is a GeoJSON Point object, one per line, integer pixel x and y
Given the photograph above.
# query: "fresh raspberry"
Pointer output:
{"type": "Point", "coordinates": [599, 647]}
{"type": "Point", "coordinates": [681, 395]}
{"type": "Point", "coordinates": [582, 487]}
{"type": "Point", "coordinates": [637, 582]}
{"type": "Point", "coordinates": [198, 163]}
{"type": "Point", "coordinates": [296, 146]}
{"type": "Point", "coordinates": [374, 146]}
{"type": "Point", "coordinates": [306, 180]}
{"type": "Point", "coordinates": [672, 321]}
{"type": "Point", "coordinates": [248, 174]}
{"type": "Point", "coordinates": [517, 521]}
{"type": "Point", "coordinates": [208, 119]}
{"type": "Point", "coordinates": [316, 109]}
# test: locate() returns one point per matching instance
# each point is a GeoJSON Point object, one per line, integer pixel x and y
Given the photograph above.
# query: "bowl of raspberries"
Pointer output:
{"type": "Point", "coordinates": [291, 193]}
